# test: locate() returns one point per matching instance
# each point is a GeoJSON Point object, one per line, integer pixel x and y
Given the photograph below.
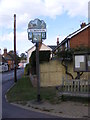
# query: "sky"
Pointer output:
{"type": "Point", "coordinates": [62, 17]}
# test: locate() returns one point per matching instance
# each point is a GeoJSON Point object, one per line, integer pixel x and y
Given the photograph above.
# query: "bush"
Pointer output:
{"type": "Point", "coordinates": [27, 69]}
{"type": "Point", "coordinates": [44, 56]}
{"type": "Point", "coordinates": [68, 54]}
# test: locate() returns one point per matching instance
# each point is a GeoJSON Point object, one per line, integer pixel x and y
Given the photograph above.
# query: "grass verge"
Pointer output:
{"type": "Point", "coordinates": [24, 91]}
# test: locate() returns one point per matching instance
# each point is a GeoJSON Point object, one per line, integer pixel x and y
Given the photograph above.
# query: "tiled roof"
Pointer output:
{"type": "Point", "coordinates": [40, 46]}
{"type": "Point", "coordinates": [52, 46]}
{"type": "Point", "coordinates": [78, 31]}
{"type": "Point", "coordinates": [72, 35]}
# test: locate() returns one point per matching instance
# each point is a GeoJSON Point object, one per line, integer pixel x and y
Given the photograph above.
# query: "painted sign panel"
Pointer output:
{"type": "Point", "coordinates": [36, 30]}
{"type": "Point", "coordinates": [37, 24]}
{"type": "Point", "coordinates": [30, 36]}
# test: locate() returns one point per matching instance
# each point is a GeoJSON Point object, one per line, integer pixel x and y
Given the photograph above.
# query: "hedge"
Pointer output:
{"type": "Point", "coordinates": [44, 56]}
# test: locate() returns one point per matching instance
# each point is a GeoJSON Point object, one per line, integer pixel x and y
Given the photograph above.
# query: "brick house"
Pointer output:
{"type": "Point", "coordinates": [3, 64]}
{"type": "Point", "coordinates": [9, 58]}
{"type": "Point", "coordinates": [79, 38]}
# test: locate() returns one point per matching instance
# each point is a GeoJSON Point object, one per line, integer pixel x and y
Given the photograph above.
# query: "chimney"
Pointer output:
{"type": "Point", "coordinates": [83, 25]}
{"type": "Point", "coordinates": [5, 51]}
{"type": "Point", "coordinates": [57, 41]}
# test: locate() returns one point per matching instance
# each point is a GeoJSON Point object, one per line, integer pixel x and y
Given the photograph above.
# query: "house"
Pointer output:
{"type": "Point", "coordinates": [52, 47]}
{"type": "Point", "coordinates": [3, 64]}
{"type": "Point", "coordinates": [9, 58]}
{"type": "Point", "coordinates": [22, 64]}
{"type": "Point", "coordinates": [42, 47]}
{"type": "Point", "coordinates": [79, 38]}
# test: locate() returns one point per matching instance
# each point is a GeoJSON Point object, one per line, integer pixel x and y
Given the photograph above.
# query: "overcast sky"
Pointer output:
{"type": "Point", "coordinates": [62, 17]}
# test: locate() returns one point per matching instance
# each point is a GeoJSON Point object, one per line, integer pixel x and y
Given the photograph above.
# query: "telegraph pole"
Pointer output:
{"type": "Point", "coordinates": [15, 68]}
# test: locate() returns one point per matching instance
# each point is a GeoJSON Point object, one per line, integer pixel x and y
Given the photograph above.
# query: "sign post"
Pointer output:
{"type": "Point", "coordinates": [37, 33]}
{"type": "Point", "coordinates": [38, 72]}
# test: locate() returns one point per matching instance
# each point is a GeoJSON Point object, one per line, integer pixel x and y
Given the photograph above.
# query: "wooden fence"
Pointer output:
{"type": "Point", "coordinates": [79, 86]}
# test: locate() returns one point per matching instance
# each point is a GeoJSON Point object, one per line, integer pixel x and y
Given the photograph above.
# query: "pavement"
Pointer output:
{"type": "Point", "coordinates": [64, 109]}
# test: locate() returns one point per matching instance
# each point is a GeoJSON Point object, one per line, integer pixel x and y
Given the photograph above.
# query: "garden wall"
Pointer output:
{"type": "Point", "coordinates": [52, 73]}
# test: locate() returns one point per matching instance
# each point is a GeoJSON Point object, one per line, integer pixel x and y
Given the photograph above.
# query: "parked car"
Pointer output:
{"type": "Point", "coordinates": [3, 67]}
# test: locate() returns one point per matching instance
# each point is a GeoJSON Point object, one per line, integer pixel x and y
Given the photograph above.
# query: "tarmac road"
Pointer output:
{"type": "Point", "coordinates": [11, 111]}
{"type": "Point", "coordinates": [9, 76]}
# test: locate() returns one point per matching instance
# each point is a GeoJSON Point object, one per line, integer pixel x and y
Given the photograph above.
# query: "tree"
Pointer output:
{"type": "Point", "coordinates": [23, 56]}
{"type": "Point", "coordinates": [67, 56]}
{"type": "Point", "coordinates": [11, 53]}
{"type": "Point", "coordinates": [44, 56]}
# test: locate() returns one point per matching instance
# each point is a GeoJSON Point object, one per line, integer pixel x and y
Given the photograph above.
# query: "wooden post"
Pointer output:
{"type": "Point", "coordinates": [38, 71]}
{"type": "Point", "coordinates": [15, 67]}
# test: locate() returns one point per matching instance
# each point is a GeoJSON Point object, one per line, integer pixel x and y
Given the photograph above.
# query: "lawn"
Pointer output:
{"type": "Point", "coordinates": [24, 91]}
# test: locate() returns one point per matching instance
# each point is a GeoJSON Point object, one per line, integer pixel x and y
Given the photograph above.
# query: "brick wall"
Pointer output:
{"type": "Point", "coordinates": [81, 39]}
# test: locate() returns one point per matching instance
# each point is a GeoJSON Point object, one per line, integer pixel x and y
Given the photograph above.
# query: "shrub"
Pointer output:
{"type": "Point", "coordinates": [44, 56]}
{"type": "Point", "coordinates": [27, 69]}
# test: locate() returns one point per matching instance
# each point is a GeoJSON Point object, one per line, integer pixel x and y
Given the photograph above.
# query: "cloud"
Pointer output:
{"type": "Point", "coordinates": [77, 8]}
{"type": "Point", "coordinates": [21, 36]}
{"type": "Point", "coordinates": [25, 10]}
{"type": "Point", "coordinates": [53, 40]}
{"type": "Point", "coordinates": [29, 9]}
{"type": "Point", "coordinates": [22, 42]}
{"type": "Point", "coordinates": [6, 37]}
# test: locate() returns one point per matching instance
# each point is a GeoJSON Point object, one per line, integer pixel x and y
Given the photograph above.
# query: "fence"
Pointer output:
{"type": "Point", "coordinates": [79, 86]}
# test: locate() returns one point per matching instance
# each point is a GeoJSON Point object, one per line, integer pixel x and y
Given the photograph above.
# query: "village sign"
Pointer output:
{"type": "Point", "coordinates": [36, 30]}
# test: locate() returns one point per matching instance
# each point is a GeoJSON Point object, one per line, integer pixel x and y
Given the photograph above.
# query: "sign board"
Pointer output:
{"type": "Point", "coordinates": [36, 30]}
{"type": "Point", "coordinates": [82, 62]}
{"type": "Point", "coordinates": [88, 62]}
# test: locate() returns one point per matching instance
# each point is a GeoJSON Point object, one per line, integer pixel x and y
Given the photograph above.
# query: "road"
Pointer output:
{"type": "Point", "coordinates": [11, 111]}
{"type": "Point", "coordinates": [8, 76]}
